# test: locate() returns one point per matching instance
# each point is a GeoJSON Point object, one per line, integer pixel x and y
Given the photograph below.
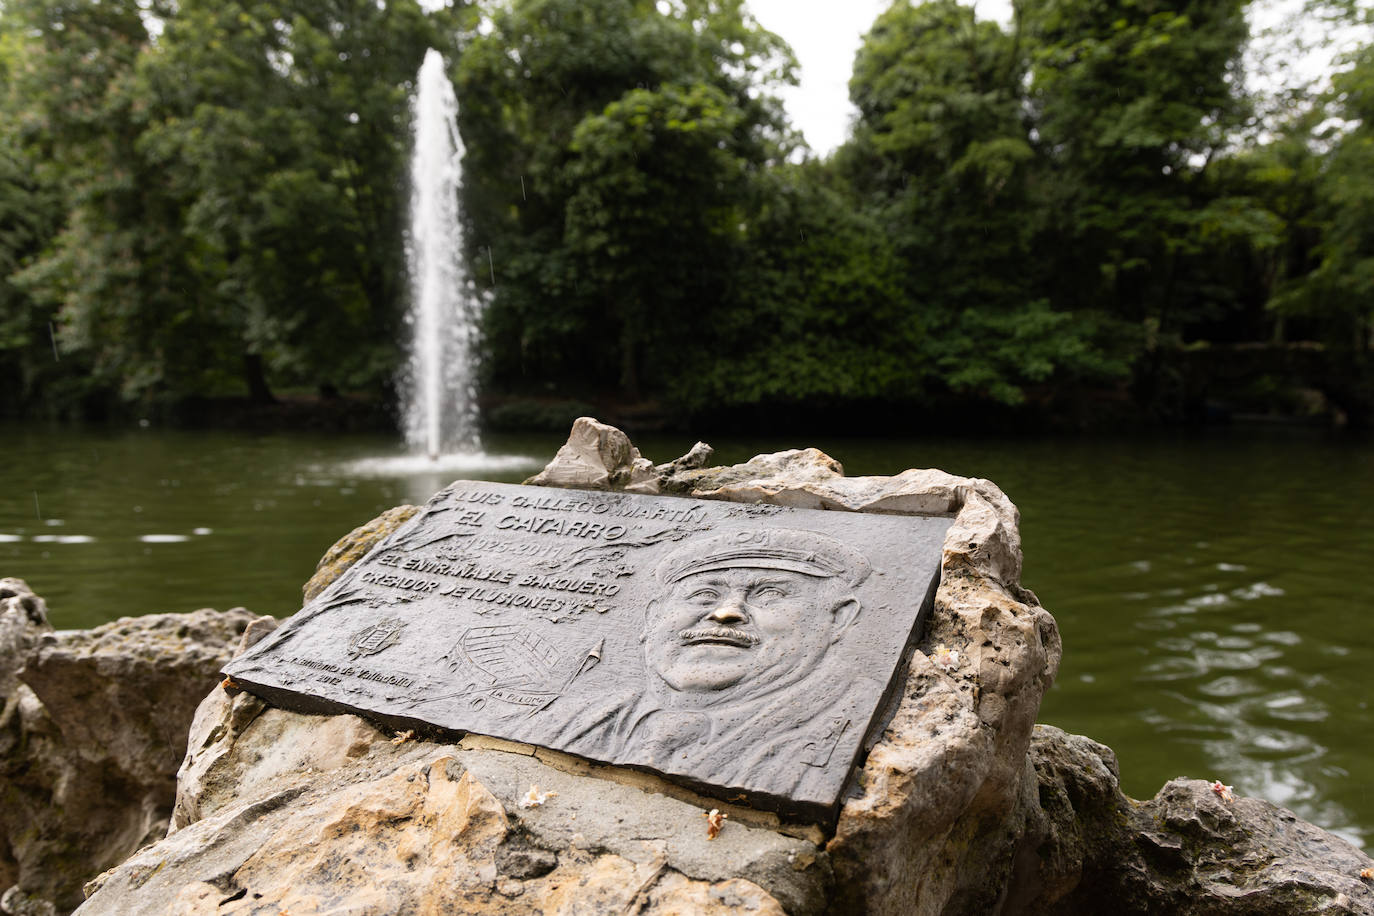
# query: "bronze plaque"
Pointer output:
{"type": "Point", "coordinates": [747, 651]}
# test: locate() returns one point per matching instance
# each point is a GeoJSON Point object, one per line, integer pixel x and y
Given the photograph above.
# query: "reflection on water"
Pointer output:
{"type": "Point", "coordinates": [1210, 590]}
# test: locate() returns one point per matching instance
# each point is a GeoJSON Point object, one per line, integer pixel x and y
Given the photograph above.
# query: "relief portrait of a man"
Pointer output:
{"type": "Point", "coordinates": [744, 683]}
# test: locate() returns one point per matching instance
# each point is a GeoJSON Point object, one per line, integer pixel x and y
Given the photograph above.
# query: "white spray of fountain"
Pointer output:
{"type": "Point", "coordinates": [440, 408]}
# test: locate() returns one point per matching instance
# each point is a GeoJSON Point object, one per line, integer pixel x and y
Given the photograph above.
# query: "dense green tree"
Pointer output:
{"type": "Point", "coordinates": [942, 156]}
{"type": "Point", "coordinates": [589, 126]}
{"type": "Point", "coordinates": [816, 316]}
{"type": "Point", "coordinates": [29, 215]}
{"type": "Point", "coordinates": [1338, 292]}
{"type": "Point", "coordinates": [31, 210]}
{"type": "Point", "coordinates": [1329, 286]}
{"type": "Point", "coordinates": [654, 216]}
{"type": "Point", "coordinates": [233, 187]}
{"type": "Point", "coordinates": [78, 122]}
{"type": "Point", "coordinates": [1278, 181]}
{"type": "Point", "coordinates": [208, 198]}
{"type": "Point", "coordinates": [1131, 101]}
{"type": "Point", "coordinates": [288, 149]}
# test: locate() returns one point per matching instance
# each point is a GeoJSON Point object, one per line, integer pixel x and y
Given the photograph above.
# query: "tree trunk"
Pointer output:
{"type": "Point", "coordinates": [629, 365]}
{"type": "Point", "coordinates": [253, 374]}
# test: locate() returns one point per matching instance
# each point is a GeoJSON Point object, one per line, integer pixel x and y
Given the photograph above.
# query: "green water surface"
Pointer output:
{"type": "Point", "coordinates": [1211, 590]}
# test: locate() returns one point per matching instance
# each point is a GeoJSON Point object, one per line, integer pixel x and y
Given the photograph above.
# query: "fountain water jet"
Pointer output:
{"type": "Point", "coordinates": [437, 384]}
{"type": "Point", "coordinates": [439, 407]}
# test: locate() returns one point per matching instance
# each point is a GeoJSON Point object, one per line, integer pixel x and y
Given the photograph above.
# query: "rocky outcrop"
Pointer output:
{"type": "Point", "coordinates": [23, 621]}
{"type": "Point", "coordinates": [962, 806]}
{"type": "Point", "coordinates": [595, 457]}
{"type": "Point", "coordinates": [932, 824]}
{"type": "Point", "coordinates": [942, 797]}
{"type": "Point", "coordinates": [92, 733]}
{"type": "Point", "coordinates": [340, 817]}
{"type": "Point", "coordinates": [1191, 850]}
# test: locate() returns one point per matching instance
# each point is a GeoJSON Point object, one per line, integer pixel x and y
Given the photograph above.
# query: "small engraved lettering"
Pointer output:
{"type": "Point", "coordinates": [337, 674]}
{"type": "Point", "coordinates": [519, 549]}
{"type": "Point", "coordinates": [484, 497]}
{"type": "Point", "coordinates": [405, 583]}
{"type": "Point", "coordinates": [566, 584]}
{"type": "Point", "coordinates": [391, 679]}
{"type": "Point", "coordinates": [469, 517]}
{"type": "Point", "coordinates": [502, 598]}
{"type": "Point", "coordinates": [660, 513]}
{"type": "Point", "coordinates": [558, 504]}
{"type": "Point", "coordinates": [314, 663]}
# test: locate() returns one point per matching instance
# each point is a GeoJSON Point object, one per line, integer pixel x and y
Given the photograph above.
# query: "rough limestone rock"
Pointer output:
{"type": "Point", "coordinates": [597, 457]}
{"type": "Point", "coordinates": [1187, 851]}
{"type": "Point", "coordinates": [353, 546]}
{"type": "Point", "coordinates": [281, 809]}
{"type": "Point", "coordinates": [349, 820]}
{"type": "Point", "coordinates": [23, 621]}
{"type": "Point", "coordinates": [92, 734]}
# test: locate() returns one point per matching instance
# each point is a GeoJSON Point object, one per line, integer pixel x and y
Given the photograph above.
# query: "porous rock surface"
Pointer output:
{"type": "Point", "coordinates": [1187, 851]}
{"type": "Point", "coordinates": [92, 733]}
{"type": "Point", "coordinates": [934, 824]}
{"type": "Point", "coordinates": [353, 546]}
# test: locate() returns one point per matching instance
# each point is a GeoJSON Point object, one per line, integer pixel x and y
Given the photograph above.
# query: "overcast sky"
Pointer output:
{"type": "Point", "coordinates": [824, 34]}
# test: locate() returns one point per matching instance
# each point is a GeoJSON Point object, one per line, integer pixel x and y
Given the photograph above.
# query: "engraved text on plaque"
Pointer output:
{"type": "Point", "coordinates": [745, 650]}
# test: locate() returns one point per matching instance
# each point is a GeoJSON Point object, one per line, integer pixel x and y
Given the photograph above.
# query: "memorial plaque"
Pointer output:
{"type": "Point", "coordinates": [747, 651]}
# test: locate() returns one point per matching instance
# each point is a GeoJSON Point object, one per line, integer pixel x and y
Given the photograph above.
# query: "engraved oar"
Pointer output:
{"type": "Point", "coordinates": [589, 661]}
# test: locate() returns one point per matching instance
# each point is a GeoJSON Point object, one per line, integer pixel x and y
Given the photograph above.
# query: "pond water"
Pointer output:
{"type": "Point", "coordinates": [1210, 589]}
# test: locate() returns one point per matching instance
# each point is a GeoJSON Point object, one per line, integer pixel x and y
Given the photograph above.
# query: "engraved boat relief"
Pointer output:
{"type": "Point", "coordinates": [512, 664]}
{"type": "Point", "coordinates": [518, 661]}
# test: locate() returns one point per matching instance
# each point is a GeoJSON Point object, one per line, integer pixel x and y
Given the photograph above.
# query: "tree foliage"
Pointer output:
{"type": "Point", "coordinates": [612, 145]}
{"type": "Point", "coordinates": [208, 198]}
{"type": "Point", "coordinates": [943, 154]}
{"type": "Point", "coordinates": [1131, 103]}
{"type": "Point", "coordinates": [233, 187]}
{"type": "Point", "coordinates": [1338, 291]}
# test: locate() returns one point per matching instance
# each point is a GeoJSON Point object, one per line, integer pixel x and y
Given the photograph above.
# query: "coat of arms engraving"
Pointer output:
{"type": "Point", "coordinates": [376, 638]}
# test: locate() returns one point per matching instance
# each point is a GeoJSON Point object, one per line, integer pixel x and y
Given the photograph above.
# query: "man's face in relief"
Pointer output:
{"type": "Point", "coordinates": [743, 629]}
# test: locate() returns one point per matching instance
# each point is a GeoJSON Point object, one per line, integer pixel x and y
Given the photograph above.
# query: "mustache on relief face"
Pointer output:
{"type": "Point", "coordinates": [719, 634]}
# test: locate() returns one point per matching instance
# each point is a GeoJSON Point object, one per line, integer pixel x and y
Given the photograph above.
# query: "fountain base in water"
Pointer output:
{"type": "Point", "coordinates": [459, 463]}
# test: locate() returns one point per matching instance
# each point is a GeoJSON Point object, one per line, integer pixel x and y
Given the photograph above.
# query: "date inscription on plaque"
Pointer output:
{"type": "Point", "coordinates": [747, 651]}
